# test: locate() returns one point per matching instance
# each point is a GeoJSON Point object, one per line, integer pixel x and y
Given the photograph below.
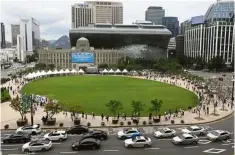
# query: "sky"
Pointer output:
{"type": "Point", "coordinates": [54, 16]}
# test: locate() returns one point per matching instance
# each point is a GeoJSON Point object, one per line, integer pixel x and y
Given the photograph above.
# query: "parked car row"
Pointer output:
{"type": "Point", "coordinates": [92, 139]}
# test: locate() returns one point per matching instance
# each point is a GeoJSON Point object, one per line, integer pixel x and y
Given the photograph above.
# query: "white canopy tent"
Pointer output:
{"type": "Point", "coordinates": [73, 71]}
{"type": "Point", "coordinates": [55, 72]}
{"type": "Point", "coordinates": [111, 71]}
{"type": "Point", "coordinates": [61, 71]}
{"type": "Point", "coordinates": [43, 73]}
{"type": "Point", "coordinates": [67, 71]}
{"type": "Point", "coordinates": [118, 71]}
{"type": "Point", "coordinates": [28, 76]}
{"type": "Point", "coordinates": [81, 71]}
{"type": "Point", "coordinates": [125, 71]}
{"type": "Point", "coordinates": [49, 72]}
{"type": "Point", "coordinates": [105, 71]}
{"type": "Point", "coordinates": [37, 74]}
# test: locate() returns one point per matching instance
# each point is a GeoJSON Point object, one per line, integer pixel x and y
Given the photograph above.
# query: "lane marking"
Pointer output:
{"type": "Point", "coordinates": [213, 150]}
{"type": "Point", "coordinates": [68, 152]}
{"type": "Point", "coordinates": [9, 149]}
{"type": "Point", "coordinates": [164, 139]}
{"type": "Point", "coordinates": [189, 147]}
{"type": "Point", "coordinates": [204, 141]}
{"type": "Point", "coordinates": [110, 150]}
{"type": "Point", "coordinates": [56, 143]}
{"type": "Point", "coordinates": [152, 148]}
{"type": "Point", "coordinates": [23, 154]}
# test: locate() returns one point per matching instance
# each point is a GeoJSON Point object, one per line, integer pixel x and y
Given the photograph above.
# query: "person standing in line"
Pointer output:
{"type": "Point", "coordinates": [102, 116]}
{"type": "Point", "coordinates": [93, 115]}
{"type": "Point", "coordinates": [85, 116]}
{"type": "Point", "coordinates": [125, 116]}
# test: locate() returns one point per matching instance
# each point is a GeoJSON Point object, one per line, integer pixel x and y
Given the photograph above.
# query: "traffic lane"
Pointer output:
{"type": "Point", "coordinates": [227, 124]}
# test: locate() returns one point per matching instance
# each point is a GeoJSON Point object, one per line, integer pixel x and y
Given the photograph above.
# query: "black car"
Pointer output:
{"type": "Point", "coordinates": [86, 144]}
{"type": "Point", "coordinates": [77, 129]}
{"type": "Point", "coordinates": [17, 138]}
{"type": "Point", "coordinates": [96, 134]}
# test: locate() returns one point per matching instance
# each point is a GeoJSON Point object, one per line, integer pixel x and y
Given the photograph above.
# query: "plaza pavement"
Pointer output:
{"type": "Point", "coordinates": [9, 116]}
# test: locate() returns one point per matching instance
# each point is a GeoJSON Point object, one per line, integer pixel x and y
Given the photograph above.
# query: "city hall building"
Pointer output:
{"type": "Point", "coordinates": [65, 58]}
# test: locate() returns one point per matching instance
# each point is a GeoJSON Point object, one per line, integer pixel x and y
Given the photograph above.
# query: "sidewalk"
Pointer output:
{"type": "Point", "coordinates": [10, 116]}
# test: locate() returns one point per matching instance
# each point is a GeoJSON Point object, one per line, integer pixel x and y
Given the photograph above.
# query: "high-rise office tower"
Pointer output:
{"type": "Point", "coordinates": [82, 15]}
{"type": "Point", "coordinates": [3, 39]}
{"type": "Point", "coordinates": [29, 30]}
{"type": "Point", "coordinates": [155, 14]}
{"type": "Point", "coordinates": [171, 24]}
{"type": "Point", "coordinates": [20, 48]}
{"type": "Point", "coordinates": [15, 30]}
{"type": "Point", "coordinates": [107, 11]}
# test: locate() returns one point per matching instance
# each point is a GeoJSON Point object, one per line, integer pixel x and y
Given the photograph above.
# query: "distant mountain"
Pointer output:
{"type": "Point", "coordinates": [63, 42]}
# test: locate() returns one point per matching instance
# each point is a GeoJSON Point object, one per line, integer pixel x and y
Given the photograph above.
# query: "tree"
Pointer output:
{"type": "Point", "coordinates": [16, 104]}
{"type": "Point", "coordinates": [103, 66]}
{"type": "Point", "coordinates": [50, 66]}
{"type": "Point", "coordinates": [40, 66]}
{"type": "Point", "coordinates": [216, 63]}
{"type": "Point", "coordinates": [137, 106]}
{"type": "Point", "coordinates": [156, 106]}
{"type": "Point", "coordinates": [114, 106]}
{"type": "Point", "coordinates": [51, 109]}
{"type": "Point", "coordinates": [5, 96]}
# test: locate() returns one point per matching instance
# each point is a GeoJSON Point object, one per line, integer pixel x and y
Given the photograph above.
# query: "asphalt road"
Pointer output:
{"type": "Point", "coordinates": [114, 146]}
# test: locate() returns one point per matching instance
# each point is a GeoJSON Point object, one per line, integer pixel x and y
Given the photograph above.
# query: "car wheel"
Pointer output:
{"type": "Point", "coordinates": [76, 148]}
{"type": "Point", "coordinates": [44, 149]}
{"type": "Point", "coordinates": [26, 150]}
{"type": "Point", "coordinates": [123, 137]}
{"type": "Point", "coordinates": [180, 143]}
{"type": "Point", "coordinates": [93, 147]}
{"type": "Point", "coordinates": [201, 134]}
{"type": "Point", "coordinates": [34, 133]}
{"type": "Point", "coordinates": [194, 142]}
{"type": "Point", "coordinates": [227, 138]}
{"type": "Point", "coordinates": [129, 146]}
{"type": "Point", "coordinates": [146, 145]}
{"type": "Point", "coordinates": [60, 139]}
{"type": "Point", "coordinates": [161, 137]}
{"type": "Point", "coordinates": [47, 139]}
{"type": "Point", "coordinates": [5, 142]}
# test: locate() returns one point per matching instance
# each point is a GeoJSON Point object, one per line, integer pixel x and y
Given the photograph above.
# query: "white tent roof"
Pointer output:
{"type": "Point", "coordinates": [124, 71]}
{"type": "Point", "coordinates": [37, 74]}
{"type": "Point", "coordinates": [61, 71]}
{"type": "Point", "coordinates": [133, 71]}
{"type": "Point", "coordinates": [67, 71]}
{"type": "Point", "coordinates": [111, 71]}
{"type": "Point", "coordinates": [49, 72]}
{"type": "Point", "coordinates": [105, 71]}
{"type": "Point", "coordinates": [43, 72]}
{"type": "Point", "coordinates": [55, 72]}
{"type": "Point", "coordinates": [28, 76]}
{"type": "Point", "coordinates": [118, 71]}
{"type": "Point", "coordinates": [73, 71]}
{"type": "Point", "coordinates": [80, 71]}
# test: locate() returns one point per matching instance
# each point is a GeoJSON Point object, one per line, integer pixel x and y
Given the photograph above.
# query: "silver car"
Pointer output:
{"type": "Point", "coordinates": [195, 130]}
{"type": "Point", "coordinates": [216, 135]}
{"type": "Point", "coordinates": [38, 145]}
{"type": "Point", "coordinates": [185, 139]}
{"type": "Point", "coordinates": [164, 132]}
{"type": "Point", "coordinates": [139, 141]}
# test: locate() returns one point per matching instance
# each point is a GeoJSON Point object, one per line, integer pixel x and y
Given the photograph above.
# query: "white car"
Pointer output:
{"type": "Point", "coordinates": [30, 129]}
{"type": "Point", "coordinates": [139, 141]}
{"type": "Point", "coordinates": [38, 145]}
{"type": "Point", "coordinates": [164, 132]}
{"type": "Point", "coordinates": [128, 133]}
{"type": "Point", "coordinates": [216, 135]}
{"type": "Point", "coordinates": [56, 135]}
{"type": "Point", "coordinates": [195, 130]}
{"type": "Point", "coordinates": [185, 139]}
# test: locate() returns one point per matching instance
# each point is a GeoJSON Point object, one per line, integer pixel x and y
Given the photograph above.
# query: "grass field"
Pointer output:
{"type": "Point", "coordinates": [93, 92]}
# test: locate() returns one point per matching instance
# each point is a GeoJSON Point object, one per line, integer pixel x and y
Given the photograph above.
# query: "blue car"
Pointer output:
{"type": "Point", "coordinates": [128, 133]}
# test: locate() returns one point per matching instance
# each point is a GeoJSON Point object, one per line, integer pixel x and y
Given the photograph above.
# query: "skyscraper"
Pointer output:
{"type": "Point", "coordinates": [3, 39]}
{"type": "Point", "coordinates": [107, 11]}
{"type": "Point", "coordinates": [15, 30]}
{"type": "Point", "coordinates": [30, 32]}
{"type": "Point", "coordinates": [155, 14]}
{"type": "Point", "coordinates": [82, 15]}
{"type": "Point", "coordinates": [171, 24]}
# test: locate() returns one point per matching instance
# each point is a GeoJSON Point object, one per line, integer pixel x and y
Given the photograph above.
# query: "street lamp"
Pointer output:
{"type": "Point", "coordinates": [232, 93]}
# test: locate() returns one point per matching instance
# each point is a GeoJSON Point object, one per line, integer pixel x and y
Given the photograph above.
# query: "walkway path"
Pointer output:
{"type": "Point", "coordinates": [10, 116]}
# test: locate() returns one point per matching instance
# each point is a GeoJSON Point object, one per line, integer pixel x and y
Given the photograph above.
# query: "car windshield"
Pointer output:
{"type": "Point", "coordinates": [181, 137]}
{"type": "Point", "coordinates": [162, 130]}
{"type": "Point", "coordinates": [134, 139]}
{"type": "Point", "coordinates": [215, 133]}
{"type": "Point", "coordinates": [189, 128]}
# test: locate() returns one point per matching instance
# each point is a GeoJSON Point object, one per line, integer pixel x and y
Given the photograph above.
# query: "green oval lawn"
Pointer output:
{"type": "Point", "coordinates": [93, 92]}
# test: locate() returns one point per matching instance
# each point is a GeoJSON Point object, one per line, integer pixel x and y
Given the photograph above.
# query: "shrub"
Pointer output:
{"type": "Point", "coordinates": [129, 122]}
{"type": "Point", "coordinates": [102, 124]}
{"type": "Point", "coordinates": [172, 121]}
{"type": "Point", "coordinates": [182, 121]}
{"type": "Point", "coordinates": [150, 122]}
{"type": "Point", "coordinates": [61, 124]}
{"type": "Point", "coordinates": [5, 96]}
{"type": "Point", "coordinates": [6, 126]}
{"type": "Point", "coordinates": [121, 123]}
{"type": "Point", "coordinates": [144, 122]}
{"type": "Point", "coordinates": [88, 124]}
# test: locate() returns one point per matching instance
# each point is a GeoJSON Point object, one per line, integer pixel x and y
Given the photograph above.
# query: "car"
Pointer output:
{"type": "Point", "coordinates": [77, 129]}
{"type": "Point", "coordinates": [96, 134]}
{"type": "Point", "coordinates": [185, 139]}
{"type": "Point", "coordinates": [164, 132]}
{"type": "Point", "coordinates": [38, 145]}
{"type": "Point", "coordinates": [138, 141]}
{"type": "Point", "coordinates": [30, 129]}
{"type": "Point", "coordinates": [86, 144]}
{"type": "Point", "coordinates": [196, 130]}
{"type": "Point", "coordinates": [17, 138]}
{"type": "Point", "coordinates": [216, 135]}
{"type": "Point", "coordinates": [128, 133]}
{"type": "Point", "coordinates": [56, 135]}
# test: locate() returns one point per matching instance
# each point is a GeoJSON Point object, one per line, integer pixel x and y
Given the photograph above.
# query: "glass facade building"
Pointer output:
{"type": "Point", "coordinates": [171, 24]}
{"type": "Point", "coordinates": [155, 14]}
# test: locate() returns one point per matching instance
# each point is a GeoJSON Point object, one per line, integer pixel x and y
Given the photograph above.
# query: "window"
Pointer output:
{"type": "Point", "coordinates": [188, 138]}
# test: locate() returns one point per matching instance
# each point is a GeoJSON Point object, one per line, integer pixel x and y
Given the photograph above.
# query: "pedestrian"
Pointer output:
{"type": "Point", "coordinates": [150, 116]}
{"type": "Point", "coordinates": [82, 114]}
{"type": "Point", "coordinates": [107, 118]}
{"type": "Point", "coordinates": [72, 117]}
{"type": "Point", "coordinates": [85, 116]}
{"type": "Point", "coordinates": [125, 116]}
{"type": "Point", "coordinates": [207, 109]}
{"type": "Point", "coordinates": [102, 116]}
{"type": "Point", "coordinates": [93, 115]}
